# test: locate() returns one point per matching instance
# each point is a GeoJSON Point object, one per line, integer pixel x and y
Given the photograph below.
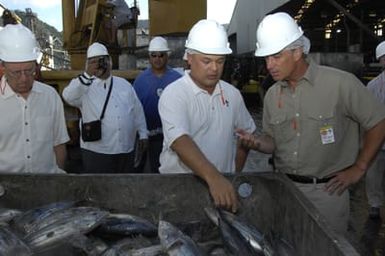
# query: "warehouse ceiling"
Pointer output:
{"type": "Point", "coordinates": [340, 26]}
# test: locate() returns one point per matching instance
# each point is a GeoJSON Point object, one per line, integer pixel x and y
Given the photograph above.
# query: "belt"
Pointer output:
{"type": "Point", "coordinates": [307, 179]}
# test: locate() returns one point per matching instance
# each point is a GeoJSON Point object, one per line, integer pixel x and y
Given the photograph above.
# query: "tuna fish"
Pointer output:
{"type": "Point", "coordinates": [11, 244]}
{"type": "Point", "coordinates": [8, 214]}
{"type": "Point", "coordinates": [175, 242]}
{"type": "Point", "coordinates": [232, 240]}
{"type": "Point", "coordinates": [26, 221]}
{"type": "Point", "coordinates": [127, 225]}
{"type": "Point", "coordinates": [249, 233]}
{"type": "Point", "coordinates": [65, 229]}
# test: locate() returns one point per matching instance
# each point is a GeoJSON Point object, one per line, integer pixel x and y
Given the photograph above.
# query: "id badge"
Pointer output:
{"type": "Point", "coordinates": [327, 134]}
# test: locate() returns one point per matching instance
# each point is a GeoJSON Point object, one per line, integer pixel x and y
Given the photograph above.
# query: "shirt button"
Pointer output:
{"type": "Point", "coordinates": [28, 157]}
{"type": "Point", "coordinates": [27, 140]}
{"type": "Point", "coordinates": [298, 134]}
{"type": "Point", "coordinates": [26, 123]}
{"type": "Point", "coordinates": [25, 107]}
{"type": "Point", "coordinates": [297, 114]}
{"type": "Point", "coordinates": [212, 108]}
{"type": "Point", "coordinates": [294, 171]}
{"type": "Point", "coordinates": [295, 153]}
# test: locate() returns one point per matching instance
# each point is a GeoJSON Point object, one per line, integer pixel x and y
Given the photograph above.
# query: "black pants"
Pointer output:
{"type": "Point", "coordinates": [150, 159]}
{"type": "Point", "coordinates": [106, 163]}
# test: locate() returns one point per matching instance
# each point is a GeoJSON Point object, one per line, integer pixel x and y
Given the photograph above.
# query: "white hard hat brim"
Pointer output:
{"type": "Point", "coordinates": [271, 50]}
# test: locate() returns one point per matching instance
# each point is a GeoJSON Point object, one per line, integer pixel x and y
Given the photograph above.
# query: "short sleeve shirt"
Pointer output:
{"type": "Point", "coordinates": [210, 120]}
{"type": "Point", "coordinates": [316, 126]}
{"type": "Point", "coordinates": [30, 129]}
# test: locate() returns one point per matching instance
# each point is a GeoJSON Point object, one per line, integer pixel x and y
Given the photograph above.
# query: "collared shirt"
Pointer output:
{"type": "Point", "coordinates": [210, 120]}
{"type": "Point", "coordinates": [316, 126]}
{"type": "Point", "coordinates": [377, 87]}
{"type": "Point", "coordinates": [123, 116]}
{"type": "Point", "coordinates": [30, 129]}
{"type": "Point", "coordinates": [149, 87]}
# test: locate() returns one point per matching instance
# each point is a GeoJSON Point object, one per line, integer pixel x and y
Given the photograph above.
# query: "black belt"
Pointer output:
{"type": "Point", "coordinates": [307, 179]}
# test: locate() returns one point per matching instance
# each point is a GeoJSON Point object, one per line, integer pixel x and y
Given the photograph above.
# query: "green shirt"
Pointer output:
{"type": "Point", "coordinates": [316, 126]}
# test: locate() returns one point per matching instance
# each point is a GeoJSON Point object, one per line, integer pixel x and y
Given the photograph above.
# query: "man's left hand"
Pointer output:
{"type": "Point", "coordinates": [344, 179]}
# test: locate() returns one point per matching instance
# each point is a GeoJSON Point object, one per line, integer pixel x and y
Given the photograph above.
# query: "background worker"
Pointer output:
{"type": "Point", "coordinates": [123, 115]}
{"type": "Point", "coordinates": [311, 120]}
{"type": "Point", "coordinates": [149, 86]}
{"type": "Point", "coordinates": [32, 127]}
{"type": "Point", "coordinates": [200, 113]}
{"type": "Point", "coordinates": [375, 175]}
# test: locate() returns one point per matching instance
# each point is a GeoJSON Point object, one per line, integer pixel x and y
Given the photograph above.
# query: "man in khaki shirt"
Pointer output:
{"type": "Point", "coordinates": [311, 120]}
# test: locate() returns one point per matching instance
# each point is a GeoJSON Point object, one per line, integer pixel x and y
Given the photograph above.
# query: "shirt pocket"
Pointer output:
{"type": "Point", "coordinates": [317, 121]}
{"type": "Point", "coordinates": [281, 127]}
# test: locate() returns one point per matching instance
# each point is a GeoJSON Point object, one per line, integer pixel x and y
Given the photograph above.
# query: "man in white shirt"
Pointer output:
{"type": "Point", "coordinates": [375, 175]}
{"type": "Point", "coordinates": [33, 132]}
{"type": "Point", "coordinates": [200, 114]}
{"type": "Point", "coordinates": [94, 90]}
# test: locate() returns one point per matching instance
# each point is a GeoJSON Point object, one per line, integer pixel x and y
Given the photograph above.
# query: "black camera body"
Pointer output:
{"type": "Point", "coordinates": [102, 63]}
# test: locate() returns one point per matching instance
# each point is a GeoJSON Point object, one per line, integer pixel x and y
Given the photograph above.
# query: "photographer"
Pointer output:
{"type": "Point", "coordinates": [111, 115]}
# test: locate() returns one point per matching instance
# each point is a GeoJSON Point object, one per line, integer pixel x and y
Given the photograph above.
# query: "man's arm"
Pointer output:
{"type": "Point", "coordinates": [61, 155]}
{"type": "Point", "coordinates": [220, 188]}
{"type": "Point", "coordinates": [373, 140]}
{"type": "Point", "coordinates": [263, 143]}
{"type": "Point", "coordinates": [240, 157]}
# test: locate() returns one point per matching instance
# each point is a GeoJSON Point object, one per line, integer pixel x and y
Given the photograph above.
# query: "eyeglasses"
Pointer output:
{"type": "Point", "coordinates": [159, 55]}
{"type": "Point", "coordinates": [17, 74]}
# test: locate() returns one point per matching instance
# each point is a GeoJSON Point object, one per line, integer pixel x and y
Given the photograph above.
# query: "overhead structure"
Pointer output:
{"type": "Point", "coordinates": [95, 21]}
{"type": "Point", "coordinates": [331, 25]}
{"type": "Point", "coordinates": [173, 17]}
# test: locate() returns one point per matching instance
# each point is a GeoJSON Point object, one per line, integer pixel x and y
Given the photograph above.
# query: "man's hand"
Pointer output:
{"type": "Point", "coordinates": [248, 140]}
{"type": "Point", "coordinates": [92, 67]}
{"type": "Point", "coordinates": [223, 193]}
{"type": "Point", "coordinates": [344, 179]}
{"type": "Point", "coordinates": [263, 143]}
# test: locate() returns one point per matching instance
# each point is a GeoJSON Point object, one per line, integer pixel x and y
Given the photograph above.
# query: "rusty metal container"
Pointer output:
{"type": "Point", "coordinates": [271, 202]}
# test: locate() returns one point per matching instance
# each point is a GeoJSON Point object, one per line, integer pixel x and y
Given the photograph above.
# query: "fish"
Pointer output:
{"type": "Point", "coordinates": [62, 230]}
{"type": "Point", "coordinates": [7, 214]}
{"type": "Point", "coordinates": [152, 250]}
{"type": "Point", "coordinates": [231, 238]}
{"type": "Point", "coordinates": [249, 233]}
{"type": "Point", "coordinates": [127, 225]}
{"type": "Point", "coordinates": [91, 246]}
{"type": "Point", "coordinates": [175, 242]}
{"type": "Point", "coordinates": [59, 214]}
{"type": "Point", "coordinates": [26, 221]}
{"type": "Point", "coordinates": [11, 244]}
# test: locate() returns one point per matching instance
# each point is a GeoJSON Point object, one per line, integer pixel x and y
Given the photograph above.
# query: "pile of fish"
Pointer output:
{"type": "Point", "coordinates": [90, 230]}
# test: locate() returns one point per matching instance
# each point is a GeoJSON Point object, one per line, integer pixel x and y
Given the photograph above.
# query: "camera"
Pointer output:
{"type": "Point", "coordinates": [102, 63]}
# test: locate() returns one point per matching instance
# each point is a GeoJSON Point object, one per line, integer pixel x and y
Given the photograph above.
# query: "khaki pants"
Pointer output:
{"type": "Point", "coordinates": [334, 208]}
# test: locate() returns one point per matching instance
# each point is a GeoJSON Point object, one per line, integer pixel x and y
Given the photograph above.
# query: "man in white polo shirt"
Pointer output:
{"type": "Point", "coordinates": [200, 114]}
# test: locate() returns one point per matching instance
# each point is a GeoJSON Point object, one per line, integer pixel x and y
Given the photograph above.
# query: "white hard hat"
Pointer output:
{"type": "Point", "coordinates": [158, 44]}
{"type": "Point", "coordinates": [209, 37]}
{"type": "Point", "coordinates": [96, 49]}
{"type": "Point", "coordinates": [275, 32]}
{"type": "Point", "coordinates": [18, 44]}
{"type": "Point", "coordinates": [380, 50]}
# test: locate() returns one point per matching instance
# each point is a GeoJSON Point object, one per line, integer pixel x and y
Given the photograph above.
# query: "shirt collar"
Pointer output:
{"type": "Point", "coordinates": [7, 92]}
{"type": "Point", "coordinates": [196, 89]}
{"type": "Point", "coordinates": [309, 75]}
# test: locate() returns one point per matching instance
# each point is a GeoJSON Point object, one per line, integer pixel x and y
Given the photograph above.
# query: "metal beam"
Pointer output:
{"type": "Point", "coordinates": [353, 18]}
